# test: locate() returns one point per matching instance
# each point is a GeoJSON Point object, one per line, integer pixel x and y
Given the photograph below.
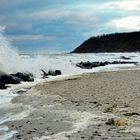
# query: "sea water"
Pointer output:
{"type": "Point", "coordinates": [11, 61]}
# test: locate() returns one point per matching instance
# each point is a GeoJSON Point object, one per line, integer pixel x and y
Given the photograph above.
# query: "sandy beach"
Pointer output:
{"type": "Point", "coordinates": [79, 108]}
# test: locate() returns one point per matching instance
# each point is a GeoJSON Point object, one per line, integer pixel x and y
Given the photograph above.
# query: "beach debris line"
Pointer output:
{"type": "Point", "coordinates": [119, 121]}
{"type": "Point", "coordinates": [90, 65]}
{"type": "Point", "coordinates": [15, 79]}
{"type": "Point", "coordinates": [50, 73]}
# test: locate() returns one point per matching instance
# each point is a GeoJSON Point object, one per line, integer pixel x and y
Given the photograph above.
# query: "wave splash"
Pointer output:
{"type": "Point", "coordinates": [9, 58]}
{"type": "Point", "coordinates": [12, 62]}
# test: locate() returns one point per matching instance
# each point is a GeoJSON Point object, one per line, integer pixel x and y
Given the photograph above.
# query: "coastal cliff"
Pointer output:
{"type": "Point", "coordinates": [117, 42]}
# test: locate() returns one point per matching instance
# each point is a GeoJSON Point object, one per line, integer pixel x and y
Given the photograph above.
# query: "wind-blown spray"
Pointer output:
{"type": "Point", "coordinates": [9, 58]}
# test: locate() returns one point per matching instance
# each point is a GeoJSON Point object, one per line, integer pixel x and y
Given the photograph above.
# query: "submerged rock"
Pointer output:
{"type": "Point", "coordinates": [90, 65]}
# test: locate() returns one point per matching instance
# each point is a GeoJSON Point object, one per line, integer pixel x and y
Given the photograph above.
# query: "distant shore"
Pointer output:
{"type": "Point", "coordinates": [78, 107]}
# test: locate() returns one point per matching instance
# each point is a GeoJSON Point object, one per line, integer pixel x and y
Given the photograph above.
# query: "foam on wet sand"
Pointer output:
{"type": "Point", "coordinates": [73, 108]}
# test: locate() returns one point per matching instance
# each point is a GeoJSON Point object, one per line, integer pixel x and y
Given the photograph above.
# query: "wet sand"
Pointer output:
{"type": "Point", "coordinates": [78, 107]}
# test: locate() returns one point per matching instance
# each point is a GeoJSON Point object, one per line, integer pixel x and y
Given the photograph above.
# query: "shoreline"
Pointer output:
{"type": "Point", "coordinates": [67, 109]}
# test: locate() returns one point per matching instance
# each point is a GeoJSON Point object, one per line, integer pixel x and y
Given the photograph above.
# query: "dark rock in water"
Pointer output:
{"type": "Point", "coordinates": [45, 74]}
{"type": "Point", "coordinates": [26, 77]}
{"type": "Point", "coordinates": [125, 58]}
{"type": "Point", "coordinates": [84, 65]}
{"type": "Point", "coordinates": [58, 72]}
{"type": "Point", "coordinates": [2, 86]}
{"type": "Point", "coordinates": [14, 79]}
{"type": "Point", "coordinates": [97, 64]}
{"type": "Point", "coordinates": [9, 79]}
{"type": "Point", "coordinates": [107, 62]}
{"type": "Point", "coordinates": [54, 73]}
{"type": "Point", "coordinates": [90, 65]}
{"type": "Point", "coordinates": [51, 73]}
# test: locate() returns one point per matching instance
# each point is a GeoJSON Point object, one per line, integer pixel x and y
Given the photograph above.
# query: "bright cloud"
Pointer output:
{"type": "Point", "coordinates": [60, 22]}
{"type": "Point", "coordinates": [123, 5]}
{"type": "Point", "coordinates": [131, 22]}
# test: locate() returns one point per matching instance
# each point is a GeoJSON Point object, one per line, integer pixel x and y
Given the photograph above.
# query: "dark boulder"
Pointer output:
{"type": "Point", "coordinates": [54, 73]}
{"type": "Point", "coordinates": [51, 73]}
{"type": "Point", "coordinates": [9, 79]}
{"type": "Point", "coordinates": [107, 62]}
{"type": "Point", "coordinates": [90, 65]}
{"type": "Point", "coordinates": [26, 77]}
{"type": "Point", "coordinates": [97, 64]}
{"type": "Point", "coordinates": [58, 72]}
{"type": "Point", "coordinates": [2, 86]}
{"type": "Point", "coordinates": [84, 65]}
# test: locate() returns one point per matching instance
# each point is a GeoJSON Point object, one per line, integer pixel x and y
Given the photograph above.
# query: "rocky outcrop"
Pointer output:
{"type": "Point", "coordinates": [90, 65]}
{"type": "Point", "coordinates": [9, 79]}
{"type": "Point", "coordinates": [26, 77]}
{"type": "Point", "coordinates": [2, 86]}
{"type": "Point", "coordinates": [54, 73]}
{"type": "Point", "coordinates": [125, 58]}
{"type": "Point", "coordinates": [14, 79]}
{"type": "Point", "coordinates": [50, 73]}
{"type": "Point", "coordinates": [117, 42]}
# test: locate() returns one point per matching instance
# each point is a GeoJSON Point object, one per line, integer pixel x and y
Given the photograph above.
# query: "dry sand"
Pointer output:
{"type": "Point", "coordinates": [78, 107]}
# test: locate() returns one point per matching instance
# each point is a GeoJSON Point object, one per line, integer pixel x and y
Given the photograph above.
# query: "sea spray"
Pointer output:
{"type": "Point", "coordinates": [12, 62]}
{"type": "Point", "coordinates": [9, 58]}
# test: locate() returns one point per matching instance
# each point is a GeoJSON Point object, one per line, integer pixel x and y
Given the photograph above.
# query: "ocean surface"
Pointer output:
{"type": "Point", "coordinates": [11, 61]}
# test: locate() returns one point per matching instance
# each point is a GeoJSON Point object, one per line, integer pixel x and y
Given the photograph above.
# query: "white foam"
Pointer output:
{"type": "Point", "coordinates": [5, 134]}
{"type": "Point", "coordinates": [80, 121]}
{"type": "Point", "coordinates": [12, 62]}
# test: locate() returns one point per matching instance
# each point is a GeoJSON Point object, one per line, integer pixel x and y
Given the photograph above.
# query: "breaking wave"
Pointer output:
{"type": "Point", "coordinates": [11, 61]}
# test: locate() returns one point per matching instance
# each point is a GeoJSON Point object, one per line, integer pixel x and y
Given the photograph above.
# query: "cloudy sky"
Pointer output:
{"type": "Point", "coordinates": [62, 25]}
